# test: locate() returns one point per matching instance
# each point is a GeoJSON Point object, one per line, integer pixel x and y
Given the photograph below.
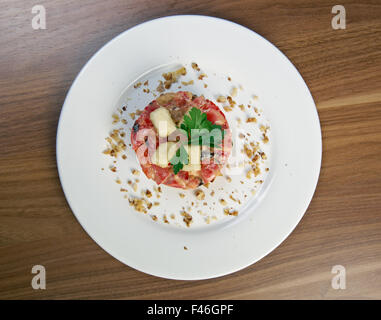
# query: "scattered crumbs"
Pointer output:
{"type": "Point", "coordinates": [202, 76]}
{"type": "Point", "coordinates": [123, 190]}
{"type": "Point", "coordinates": [223, 202]}
{"type": "Point", "coordinates": [156, 203]}
{"type": "Point", "coordinates": [132, 115]}
{"type": "Point", "coordinates": [200, 195]}
{"type": "Point", "coordinates": [265, 138]}
{"type": "Point", "coordinates": [182, 195]}
{"type": "Point", "coordinates": [148, 193]}
{"type": "Point", "coordinates": [172, 77]}
{"type": "Point", "coordinates": [160, 88]}
{"type": "Point", "coordinates": [113, 168]}
{"type": "Point", "coordinates": [137, 85]}
{"type": "Point", "coordinates": [221, 99]}
{"type": "Point", "coordinates": [135, 172]}
{"type": "Point", "coordinates": [187, 83]}
{"type": "Point", "coordinates": [146, 90]}
{"type": "Point", "coordinates": [154, 218]}
{"type": "Point", "coordinates": [241, 136]}
{"type": "Point", "coordinates": [138, 204]}
{"type": "Point", "coordinates": [251, 119]}
{"type": "Point", "coordinates": [227, 109]}
{"type": "Point", "coordinates": [231, 102]}
{"type": "Point", "coordinates": [116, 118]}
{"type": "Point", "coordinates": [230, 212]}
{"type": "Point", "coordinates": [242, 107]}
{"type": "Point", "coordinates": [187, 218]}
{"type": "Point", "coordinates": [146, 83]}
{"type": "Point", "coordinates": [165, 219]}
{"type": "Point", "coordinates": [195, 66]}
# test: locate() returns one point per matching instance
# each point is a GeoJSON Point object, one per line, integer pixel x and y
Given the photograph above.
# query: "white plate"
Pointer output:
{"type": "Point", "coordinates": [223, 48]}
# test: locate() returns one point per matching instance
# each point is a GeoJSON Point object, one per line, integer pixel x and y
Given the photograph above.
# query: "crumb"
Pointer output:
{"type": "Point", "coordinates": [230, 79]}
{"type": "Point", "coordinates": [146, 83]}
{"type": "Point", "coordinates": [154, 218]}
{"type": "Point", "coordinates": [118, 181]}
{"type": "Point", "coordinates": [242, 107]}
{"type": "Point", "coordinates": [223, 202]}
{"type": "Point", "coordinates": [241, 136]}
{"type": "Point", "coordinates": [202, 76]}
{"type": "Point", "coordinates": [234, 92]}
{"type": "Point", "coordinates": [182, 195]}
{"type": "Point", "coordinates": [135, 187]}
{"type": "Point", "coordinates": [165, 219]}
{"type": "Point", "coordinates": [251, 119]}
{"type": "Point", "coordinates": [195, 66]}
{"type": "Point", "coordinates": [185, 248]}
{"type": "Point", "coordinates": [135, 172]}
{"type": "Point", "coordinates": [116, 118]}
{"type": "Point", "coordinates": [124, 157]}
{"type": "Point", "coordinates": [228, 179]}
{"type": "Point", "coordinates": [156, 203]}
{"type": "Point", "coordinates": [148, 193]}
{"type": "Point", "coordinates": [187, 83]}
{"type": "Point", "coordinates": [187, 218]}
{"type": "Point", "coordinates": [200, 195]}
{"type": "Point", "coordinates": [230, 213]}
{"type": "Point", "coordinates": [137, 85]}
{"type": "Point", "coordinates": [221, 99]}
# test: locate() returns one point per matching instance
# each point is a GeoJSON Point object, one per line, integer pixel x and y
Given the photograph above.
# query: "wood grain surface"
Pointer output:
{"type": "Point", "coordinates": [342, 225]}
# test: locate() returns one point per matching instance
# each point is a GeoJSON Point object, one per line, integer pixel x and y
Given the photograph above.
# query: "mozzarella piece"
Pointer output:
{"type": "Point", "coordinates": [194, 158]}
{"type": "Point", "coordinates": [162, 121]}
{"type": "Point", "coordinates": [165, 152]}
{"type": "Point", "coordinates": [192, 167]}
{"type": "Point", "coordinates": [194, 154]}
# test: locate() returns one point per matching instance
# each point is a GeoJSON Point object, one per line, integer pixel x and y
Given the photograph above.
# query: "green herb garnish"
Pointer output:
{"type": "Point", "coordinates": [179, 159]}
{"type": "Point", "coordinates": [199, 131]}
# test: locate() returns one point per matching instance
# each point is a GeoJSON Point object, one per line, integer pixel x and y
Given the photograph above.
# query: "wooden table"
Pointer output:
{"type": "Point", "coordinates": [341, 227]}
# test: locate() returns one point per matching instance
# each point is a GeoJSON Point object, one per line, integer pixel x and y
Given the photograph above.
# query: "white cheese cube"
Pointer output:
{"type": "Point", "coordinates": [164, 153]}
{"type": "Point", "coordinates": [162, 121]}
{"type": "Point", "coordinates": [194, 154]}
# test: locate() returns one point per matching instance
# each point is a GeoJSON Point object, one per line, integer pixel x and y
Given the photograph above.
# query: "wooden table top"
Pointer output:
{"type": "Point", "coordinates": [341, 227]}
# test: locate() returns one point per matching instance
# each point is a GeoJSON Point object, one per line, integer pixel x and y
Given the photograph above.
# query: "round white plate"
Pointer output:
{"type": "Point", "coordinates": [221, 248]}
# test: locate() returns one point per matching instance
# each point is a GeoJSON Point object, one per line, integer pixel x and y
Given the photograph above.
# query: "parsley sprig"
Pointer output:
{"type": "Point", "coordinates": [199, 131]}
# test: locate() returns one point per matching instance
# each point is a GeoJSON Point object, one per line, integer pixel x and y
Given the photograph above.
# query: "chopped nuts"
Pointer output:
{"type": "Point", "coordinates": [200, 195]}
